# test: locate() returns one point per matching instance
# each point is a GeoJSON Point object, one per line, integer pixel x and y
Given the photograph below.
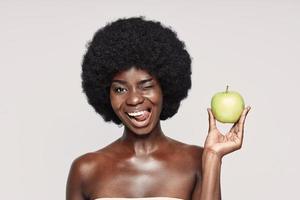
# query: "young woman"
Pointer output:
{"type": "Point", "coordinates": [136, 72]}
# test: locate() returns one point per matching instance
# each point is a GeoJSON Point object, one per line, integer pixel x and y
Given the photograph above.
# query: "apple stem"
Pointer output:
{"type": "Point", "coordinates": [227, 88]}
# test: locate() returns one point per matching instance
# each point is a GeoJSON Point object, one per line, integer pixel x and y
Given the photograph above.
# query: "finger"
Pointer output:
{"type": "Point", "coordinates": [211, 120]}
{"type": "Point", "coordinates": [241, 121]}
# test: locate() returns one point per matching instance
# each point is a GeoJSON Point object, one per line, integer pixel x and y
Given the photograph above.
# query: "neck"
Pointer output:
{"type": "Point", "coordinates": [143, 144]}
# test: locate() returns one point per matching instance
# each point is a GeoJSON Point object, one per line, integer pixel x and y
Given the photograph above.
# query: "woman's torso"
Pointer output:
{"type": "Point", "coordinates": [170, 174]}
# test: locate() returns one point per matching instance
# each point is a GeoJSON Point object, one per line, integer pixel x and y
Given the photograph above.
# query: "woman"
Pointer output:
{"type": "Point", "coordinates": [135, 73]}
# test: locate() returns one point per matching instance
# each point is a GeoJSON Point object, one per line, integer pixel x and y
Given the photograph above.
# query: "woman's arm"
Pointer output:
{"type": "Point", "coordinates": [74, 189]}
{"type": "Point", "coordinates": [208, 177]}
{"type": "Point", "coordinates": [211, 173]}
{"type": "Point", "coordinates": [216, 146]}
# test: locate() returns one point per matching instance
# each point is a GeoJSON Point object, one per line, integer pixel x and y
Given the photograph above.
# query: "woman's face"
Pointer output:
{"type": "Point", "coordinates": [136, 98]}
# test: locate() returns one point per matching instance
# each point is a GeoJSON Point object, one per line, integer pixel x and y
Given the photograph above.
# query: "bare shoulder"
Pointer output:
{"type": "Point", "coordinates": [81, 172]}
{"type": "Point", "coordinates": [86, 165]}
{"type": "Point", "coordinates": [88, 161]}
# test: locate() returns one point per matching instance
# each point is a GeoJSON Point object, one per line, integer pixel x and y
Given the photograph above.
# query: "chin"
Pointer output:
{"type": "Point", "coordinates": [142, 131]}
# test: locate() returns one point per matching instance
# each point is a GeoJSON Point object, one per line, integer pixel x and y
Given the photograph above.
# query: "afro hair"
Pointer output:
{"type": "Point", "coordinates": [141, 43]}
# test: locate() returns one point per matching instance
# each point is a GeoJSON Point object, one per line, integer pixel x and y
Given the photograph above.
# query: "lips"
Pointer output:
{"type": "Point", "coordinates": [140, 118]}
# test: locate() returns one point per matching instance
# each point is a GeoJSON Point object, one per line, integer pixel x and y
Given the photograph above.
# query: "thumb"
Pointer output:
{"type": "Point", "coordinates": [211, 120]}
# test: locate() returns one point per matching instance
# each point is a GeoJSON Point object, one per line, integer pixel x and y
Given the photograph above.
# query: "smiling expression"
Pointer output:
{"type": "Point", "coordinates": [136, 98]}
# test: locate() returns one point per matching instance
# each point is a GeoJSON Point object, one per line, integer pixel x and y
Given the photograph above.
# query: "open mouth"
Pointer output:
{"type": "Point", "coordinates": [140, 118]}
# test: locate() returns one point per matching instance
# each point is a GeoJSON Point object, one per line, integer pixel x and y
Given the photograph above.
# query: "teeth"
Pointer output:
{"type": "Point", "coordinates": [133, 114]}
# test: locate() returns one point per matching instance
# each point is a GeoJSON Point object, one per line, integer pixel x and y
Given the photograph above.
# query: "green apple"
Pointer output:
{"type": "Point", "coordinates": [227, 106]}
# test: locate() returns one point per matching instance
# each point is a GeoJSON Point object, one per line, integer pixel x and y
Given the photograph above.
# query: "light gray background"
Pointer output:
{"type": "Point", "coordinates": [45, 121]}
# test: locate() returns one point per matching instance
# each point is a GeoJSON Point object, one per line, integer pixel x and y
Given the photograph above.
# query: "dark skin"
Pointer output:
{"type": "Point", "coordinates": [144, 162]}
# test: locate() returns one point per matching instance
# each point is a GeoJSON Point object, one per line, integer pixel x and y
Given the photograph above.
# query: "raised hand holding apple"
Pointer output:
{"type": "Point", "coordinates": [227, 107]}
{"type": "Point", "coordinates": [221, 144]}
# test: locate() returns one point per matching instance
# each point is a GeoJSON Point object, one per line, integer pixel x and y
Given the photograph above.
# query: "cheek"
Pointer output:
{"type": "Point", "coordinates": [114, 102]}
{"type": "Point", "coordinates": [156, 97]}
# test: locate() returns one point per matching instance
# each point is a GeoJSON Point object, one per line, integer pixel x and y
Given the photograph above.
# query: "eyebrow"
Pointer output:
{"type": "Point", "coordinates": [140, 82]}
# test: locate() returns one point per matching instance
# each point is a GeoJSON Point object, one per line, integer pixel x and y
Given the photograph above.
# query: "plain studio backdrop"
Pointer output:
{"type": "Point", "coordinates": [46, 122]}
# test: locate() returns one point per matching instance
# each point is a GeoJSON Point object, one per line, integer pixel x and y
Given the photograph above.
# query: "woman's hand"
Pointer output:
{"type": "Point", "coordinates": [220, 144]}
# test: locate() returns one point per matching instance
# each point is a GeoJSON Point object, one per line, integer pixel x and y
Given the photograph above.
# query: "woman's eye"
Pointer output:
{"type": "Point", "coordinates": [147, 86]}
{"type": "Point", "coordinates": [119, 90]}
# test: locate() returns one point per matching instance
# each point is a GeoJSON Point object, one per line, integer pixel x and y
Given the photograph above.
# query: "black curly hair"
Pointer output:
{"type": "Point", "coordinates": [140, 43]}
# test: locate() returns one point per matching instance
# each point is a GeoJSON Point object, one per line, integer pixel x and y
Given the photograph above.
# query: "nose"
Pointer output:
{"type": "Point", "coordinates": [134, 98]}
